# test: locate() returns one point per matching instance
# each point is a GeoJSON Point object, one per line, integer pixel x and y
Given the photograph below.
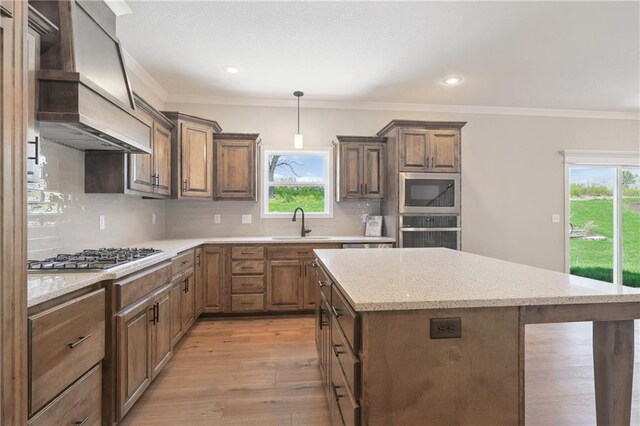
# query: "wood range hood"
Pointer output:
{"type": "Point", "coordinates": [85, 99]}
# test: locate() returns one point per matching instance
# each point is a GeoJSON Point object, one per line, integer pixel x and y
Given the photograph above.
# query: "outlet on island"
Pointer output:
{"type": "Point", "coordinates": [246, 219]}
{"type": "Point", "coordinates": [446, 328]}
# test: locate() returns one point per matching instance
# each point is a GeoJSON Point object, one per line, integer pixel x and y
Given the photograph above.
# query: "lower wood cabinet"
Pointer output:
{"type": "Point", "coordinates": [198, 282]}
{"type": "Point", "coordinates": [310, 284]}
{"type": "Point", "coordinates": [81, 404]}
{"type": "Point", "coordinates": [142, 349]}
{"type": "Point", "coordinates": [66, 345]}
{"type": "Point", "coordinates": [284, 285]}
{"type": "Point", "coordinates": [213, 278]}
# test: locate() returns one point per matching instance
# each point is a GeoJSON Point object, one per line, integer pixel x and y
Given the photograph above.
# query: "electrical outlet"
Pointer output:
{"type": "Point", "coordinates": [153, 218]}
{"type": "Point", "coordinates": [555, 218]}
{"type": "Point", "coordinates": [216, 219]}
{"type": "Point", "coordinates": [446, 328]}
{"type": "Point", "coordinates": [101, 222]}
{"type": "Point", "coordinates": [246, 219]}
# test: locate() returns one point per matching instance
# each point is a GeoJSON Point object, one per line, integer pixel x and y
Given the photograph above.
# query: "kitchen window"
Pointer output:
{"type": "Point", "coordinates": [296, 178]}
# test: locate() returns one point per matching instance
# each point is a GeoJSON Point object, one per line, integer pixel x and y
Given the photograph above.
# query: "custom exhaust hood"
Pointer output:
{"type": "Point", "coordinates": [85, 99]}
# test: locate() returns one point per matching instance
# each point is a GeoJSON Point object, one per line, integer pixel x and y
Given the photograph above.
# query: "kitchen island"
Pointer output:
{"type": "Point", "coordinates": [436, 336]}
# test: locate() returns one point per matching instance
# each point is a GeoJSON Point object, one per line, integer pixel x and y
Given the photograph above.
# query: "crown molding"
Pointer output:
{"type": "Point", "coordinates": [119, 7]}
{"type": "Point", "coordinates": [135, 67]}
{"type": "Point", "coordinates": [386, 106]}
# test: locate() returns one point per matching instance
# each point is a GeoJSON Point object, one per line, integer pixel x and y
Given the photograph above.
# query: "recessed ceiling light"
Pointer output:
{"type": "Point", "coordinates": [231, 69]}
{"type": "Point", "coordinates": [452, 80]}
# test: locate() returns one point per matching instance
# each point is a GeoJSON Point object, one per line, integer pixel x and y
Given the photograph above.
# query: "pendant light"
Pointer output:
{"type": "Point", "coordinates": [298, 141]}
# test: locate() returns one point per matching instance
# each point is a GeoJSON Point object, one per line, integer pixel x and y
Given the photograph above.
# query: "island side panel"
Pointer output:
{"type": "Point", "coordinates": [409, 378]}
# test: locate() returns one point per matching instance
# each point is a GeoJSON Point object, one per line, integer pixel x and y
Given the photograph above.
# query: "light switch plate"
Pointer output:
{"type": "Point", "coordinates": [216, 219]}
{"type": "Point", "coordinates": [101, 222]}
{"type": "Point", "coordinates": [555, 218]}
{"type": "Point", "coordinates": [246, 219]}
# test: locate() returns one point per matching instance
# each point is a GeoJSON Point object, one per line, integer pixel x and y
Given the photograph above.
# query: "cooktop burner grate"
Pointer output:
{"type": "Point", "coordinates": [90, 259]}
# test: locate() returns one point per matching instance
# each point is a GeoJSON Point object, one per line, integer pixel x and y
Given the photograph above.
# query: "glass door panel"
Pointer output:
{"type": "Point", "coordinates": [631, 226]}
{"type": "Point", "coordinates": [591, 219]}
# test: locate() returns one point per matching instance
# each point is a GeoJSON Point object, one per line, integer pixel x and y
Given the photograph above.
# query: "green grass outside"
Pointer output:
{"type": "Point", "coordinates": [286, 199]}
{"type": "Point", "coordinates": [594, 259]}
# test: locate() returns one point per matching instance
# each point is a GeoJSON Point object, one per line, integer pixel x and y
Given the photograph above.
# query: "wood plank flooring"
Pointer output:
{"type": "Point", "coordinates": [264, 372]}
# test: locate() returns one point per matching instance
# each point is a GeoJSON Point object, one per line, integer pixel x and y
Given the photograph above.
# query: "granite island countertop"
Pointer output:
{"type": "Point", "coordinates": [44, 286]}
{"type": "Point", "coordinates": [439, 278]}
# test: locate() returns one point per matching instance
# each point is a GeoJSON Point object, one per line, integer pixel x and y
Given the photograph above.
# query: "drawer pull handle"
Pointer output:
{"type": "Point", "coordinates": [184, 262]}
{"type": "Point", "coordinates": [314, 264]}
{"type": "Point", "coordinates": [83, 421]}
{"type": "Point", "coordinates": [336, 312]}
{"type": "Point", "coordinates": [303, 252]}
{"type": "Point", "coordinates": [336, 351]}
{"type": "Point", "coordinates": [246, 303]}
{"type": "Point", "coordinates": [77, 342]}
{"type": "Point", "coordinates": [247, 285]}
{"type": "Point", "coordinates": [324, 283]}
{"type": "Point", "coordinates": [247, 267]}
{"type": "Point", "coordinates": [246, 252]}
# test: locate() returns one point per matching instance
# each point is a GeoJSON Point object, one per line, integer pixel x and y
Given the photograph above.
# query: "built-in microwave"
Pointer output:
{"type": "Point", "coordinates": [427, 193]}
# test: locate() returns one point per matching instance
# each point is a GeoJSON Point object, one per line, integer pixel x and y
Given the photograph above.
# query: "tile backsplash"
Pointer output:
{"type": "Point", "coordinates": [62, 218]}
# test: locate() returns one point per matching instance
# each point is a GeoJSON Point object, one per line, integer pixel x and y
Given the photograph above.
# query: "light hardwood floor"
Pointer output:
{"type": "Point", "coordinates": [264, 372]}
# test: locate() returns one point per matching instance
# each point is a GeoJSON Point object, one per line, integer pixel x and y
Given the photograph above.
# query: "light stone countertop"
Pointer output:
{"type": "Point", "coordinates": [43, 286]}
{"type": "Point", "coordinates": [439, 278]}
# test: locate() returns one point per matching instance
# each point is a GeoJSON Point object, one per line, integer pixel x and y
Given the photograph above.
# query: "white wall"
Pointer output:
{"type": "Point", "coordinates": [513, 174]}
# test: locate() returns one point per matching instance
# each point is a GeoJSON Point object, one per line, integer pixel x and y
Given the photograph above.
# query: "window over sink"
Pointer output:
{"type": "Point", "coordinates": [296, 178]}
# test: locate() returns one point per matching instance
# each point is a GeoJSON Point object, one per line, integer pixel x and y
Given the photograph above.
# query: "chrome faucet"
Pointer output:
{"type": "Point", "coordinates": [303, 231]}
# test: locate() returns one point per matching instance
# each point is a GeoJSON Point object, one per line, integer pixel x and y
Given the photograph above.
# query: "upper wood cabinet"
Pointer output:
{"type": "Point", "coordinates": [361, 167]}
{"type": "Point", "coordinates": [429, 150]}
{"type": "Point", "coordinates": [148, 175]}
{"type": "Point", "coordinates": [424, 146]}
{"type": "Point", "coordinates": [236, 167]}
{"type": "Point", "coordinates": [152, 173]}
{"type": "Point", "coordinates": [192, 156]}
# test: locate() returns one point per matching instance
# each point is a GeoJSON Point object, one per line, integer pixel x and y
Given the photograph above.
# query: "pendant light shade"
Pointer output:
{"type": "Point", "coordinates": [298, 139]}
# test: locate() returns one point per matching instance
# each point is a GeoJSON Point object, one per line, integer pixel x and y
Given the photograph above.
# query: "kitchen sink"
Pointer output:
{"type": "Point", "coordinates": [300, 238]}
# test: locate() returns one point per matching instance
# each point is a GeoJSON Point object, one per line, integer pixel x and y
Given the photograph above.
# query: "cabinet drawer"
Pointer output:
{"type": "Point", "coordinates": [290, 252]}
{"type": "Point", "coordinates": [247, 267]}
{"type": "Point", "coordinates": [247, 302]}
{"type": "Point", "coordinates": [247, 284]}
{"type": "Point", "coordinates": [247, 253]}
{"type": "Point", "coordinates": [64, 343]}
{"type": "Point", "coordinates": [347, 320]}
{"type": "Point", "coordinates": [80, 404]}
{"type": "Point", "coordinates": [134, 287]}
{"type": "Point", "coordinates": [346, 403]}
{"type": "Point", "coordinates": [182, 261]}
{"type": "Point", "coordinates": [347, 359]}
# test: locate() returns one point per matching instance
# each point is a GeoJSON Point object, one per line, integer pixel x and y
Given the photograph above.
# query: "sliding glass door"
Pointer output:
{"type": "Point", "coordinates": [604, 222]}
{"type": "Point", "coordinates": [630, 227]}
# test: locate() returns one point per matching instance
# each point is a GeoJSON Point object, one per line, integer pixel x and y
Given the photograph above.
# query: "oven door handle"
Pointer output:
{"type": "Point", "coordinates": [430, 229]}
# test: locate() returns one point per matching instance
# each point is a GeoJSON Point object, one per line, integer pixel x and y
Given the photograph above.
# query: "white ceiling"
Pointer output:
{"type": "Point", "coordinates": [571, 55]}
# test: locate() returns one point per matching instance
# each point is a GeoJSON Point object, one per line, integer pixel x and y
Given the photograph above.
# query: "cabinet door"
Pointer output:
{"type": "Point", "coordinates": [162, 159]}
{"type": "Point", "coordinates": [140, 172]}
{"type": "Point", "coordinates": [197, 161]}
{"type": "Point", "coordinates": [351, 185]}
{"type": "Point", "coordinates": [235, 170]}
{"type": "Point", "coordinates": [213, 278]}
{"type": "Point", "coordinates": [176, 312]}
{"type": "Point", "coordinates": [373, 170]}
{"type": "Point", "coordinates": [444, 151]}
{"type": "Point", "coordinates": [161, 336]}
{"type": "Point", "coordinates": [413, 151]}
{"type": "Point", "coordinates": [284, 285]}
{"type": "Point", "coordinates": [197, 283]}
{"type": "Point", "coordinates": [310, 284]}
{"type": "Point", "coordinates": [188, 303]}
{"type": "Point", "coordinates": [134, 354]}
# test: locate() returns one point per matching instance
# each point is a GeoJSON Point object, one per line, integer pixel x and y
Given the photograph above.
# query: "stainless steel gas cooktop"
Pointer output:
{"type": "Point", "coordinates": [88, 260]}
